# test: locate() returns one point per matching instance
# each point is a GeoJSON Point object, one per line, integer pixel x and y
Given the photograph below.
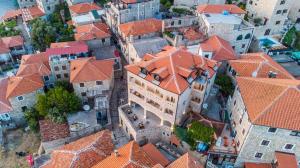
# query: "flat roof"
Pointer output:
{"type": "Point", "coordinates": [221, 18]}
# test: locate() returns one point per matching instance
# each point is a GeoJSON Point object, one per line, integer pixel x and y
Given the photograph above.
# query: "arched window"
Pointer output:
{"type": "Point", "coordinates": [240, 37]}
{"type": "Point", "coordinates": [248, 36]}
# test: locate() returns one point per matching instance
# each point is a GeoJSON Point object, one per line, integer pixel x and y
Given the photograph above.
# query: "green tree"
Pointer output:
{"type": "Point", "coordinates": [225, 83]}
{"type": "Point", "coordinates": [199, 132]}
{"type": "Point", "coordinates": [32, 116]}
{"type": "Point", "coordinates": [43, 34]}
{"type": "Point", "coordinates": [64, 84]}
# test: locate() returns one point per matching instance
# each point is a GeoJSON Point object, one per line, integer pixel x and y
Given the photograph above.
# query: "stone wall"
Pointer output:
{"type": "Point", "coordinates": [97, 43]}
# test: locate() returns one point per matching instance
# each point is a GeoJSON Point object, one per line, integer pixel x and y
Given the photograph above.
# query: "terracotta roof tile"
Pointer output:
{"type": "Point", "coordinates": [158, 166]}
{"type": "Point", "coordinates": [19, 85]}
{"type": "Point", "coordinates": [208, 8]}
{"type": "Point", "coordinates": [155, 154]}
{"type": "Point", "coordinates": [5, 105]}
{"type": "Point", "coordinates": [192, 33]}
{"type": "Point", "coordinates": [11, 14]}
{"type": "Point", "coordinates": [130, 1]}
{"type": "Point", "coordinates": [31, 13]}
{"type": "Point", "coordinates": [286, 160]}
{"type": "Point", "coordinates": [12, 41]}
{"type": "Point", "coordinates": [271, 102]}
{"type": "Point", "coordinates": [180, 64]}
{"type": "Point", "coordinates": [92, 31]}
{"type": "Point", "coordinates": [84, 7]}
{"type": "Point", "coordinates": [221, 48]}
{"type": "Point", "coordinates": [141, 27]}
{"type": "Point", "coordinates": [185, 161]}
{"type": "Point", "coordinates": [84, 152]}
{"type": "Point", "coordinates": [129, 156]}
{"type": "Point", "coordinates": [67, 48]}
{"type": "Point", "coordinates": [258, 165]}
{"type": "Point", "coordinates": [90, 69]}
{"type": "Point", "coordinates": [35, 63]}
{"type": "Point", "coordinates": [259, 65]}
{"type": "Point", "coordinates": [52, 131]}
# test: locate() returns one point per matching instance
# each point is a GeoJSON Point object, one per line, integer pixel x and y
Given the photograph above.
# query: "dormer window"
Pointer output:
{"type": "Point", "coordinates": [144, 71]}
{"type": "Point", "coordinates": [156, 77]}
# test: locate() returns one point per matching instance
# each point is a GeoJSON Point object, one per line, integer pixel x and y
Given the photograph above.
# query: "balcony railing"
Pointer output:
{"type": "Point", "coordinates": [154, 104]}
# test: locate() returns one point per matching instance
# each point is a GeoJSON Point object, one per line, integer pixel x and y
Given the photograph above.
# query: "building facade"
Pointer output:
{"type": "Point", "coordinates": [158, 98]}
{"type": "Point", "coordinates": [269, 17]}
{"type": "Point", "coordinates": [26, 3]}
{"type": "Point", "coordinates": [294, 13]}
{"type": "Point", "coordinates": [47, 6]}
{"type": "Point", "coordinates": [226, 21]}
{"type": "Point", "coordinates": [126, 11]}
{"type": "Point", "coordinates": [191, 3]}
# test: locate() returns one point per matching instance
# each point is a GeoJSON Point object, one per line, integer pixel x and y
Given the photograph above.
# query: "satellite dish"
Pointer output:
{"type": "Point", "coordinates": [86, 107]}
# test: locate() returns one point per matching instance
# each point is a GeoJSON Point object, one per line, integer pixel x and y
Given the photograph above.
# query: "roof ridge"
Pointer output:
{"type": "Point", "coordinates": [173, 70]}
{"type": "Point", "coordinates": [268, 106]}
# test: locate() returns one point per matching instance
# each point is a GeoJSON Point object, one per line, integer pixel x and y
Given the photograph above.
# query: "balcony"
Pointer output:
{"type": "Point", "coordinates": [154, 104]}
{"type": "Point", "coordinates": [137, 94]}
{"type": "Point", "coordinates": [196, 100]}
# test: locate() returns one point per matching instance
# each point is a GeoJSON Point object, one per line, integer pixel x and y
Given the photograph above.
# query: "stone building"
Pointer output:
{"type": "Point", "coordinates": [60, 55]}
{"type": "Point", "coordinates": [264, 118]}
{"type": "Point", "coordinates": [193, 3]}
{"type": "Point", "coordinates": [162, 89]}
{"type": "Point", "coordinates": [47, 6]}
{"type": "Point", "coordinates": [226, 21]}
{"type": "Point", "coordinates": [83, 8]}
{"type": "Point", "coordinates": [26, 3]}
{"type": "Point", "coordinates": [124, 11]}
{"type": "Point", "coordinates": [268, 17]}
{"type": "Point", "coordinates": [92, 79]}
{"type": "Point", "coordinates": [95, 35]}
{"type": "Point", "coordinates": [133, 31]}
{"type": "Point", "coordinates": [73, 2]}
{"type": "Point", "coordinates": [294, 13]}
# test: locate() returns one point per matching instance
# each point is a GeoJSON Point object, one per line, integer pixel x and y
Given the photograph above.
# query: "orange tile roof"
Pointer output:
{"type": "Point", "coordinates": [129, 1]}
{"type": "Point", "coordinates": [258, 165]}
{"type": "Point", "coordinates": [174, 66]}
{"type": "Point", "coordinates": [12, 41]}
{"type": "Point", "coordinates": [155, 154]}
{"type": "Point", "coordinates": [285, 160]}
{"type": "Point", "coordinates": [129, 155]}
{"type": "Point", "coordinates": [92, 31]}
{"type": "Point", "coordinates": [11, 14]}
{"type": "Point", "coordinates": [192, 34]}
{"type": "Point", "coordinates": [31, 13]}
{"type": "Point", "coordinates": [221, 48]}
{"type": "Point", "coordinates": [185, 161]}
{"type": "Point", "coordinates": [158, 166]}
{"type": "Point", "coordinates": [90, 69]}
{"type": "Point", "coordinates": [141, 27]}
{"type": "Point", "coordinates": [71, 47]}
{"type": "Point", "coordinates": [259, 63]}
{"type": "Point", "coordinates": [271, 102]}
{"type": "Point", "coordinates": [84, 152]}
{"type": "Point", "coordinates": [207, 8]}
{"type": "Point", "coordinates": [5, 105]}
{"type": "Point", "coordinates": [66, 44]}
{"type": "Point", "coordinates": [19, 85]}
{"type": "Point", "coordinates": [34, 63]}
{"type": "Point", "coordinates": [84, 7]}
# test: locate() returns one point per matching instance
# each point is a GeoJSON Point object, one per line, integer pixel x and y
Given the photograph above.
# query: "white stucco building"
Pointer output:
{"type": "Point", "coordinates": [226, 21]}
{"type": "Point", "coordinates": [191, 3]}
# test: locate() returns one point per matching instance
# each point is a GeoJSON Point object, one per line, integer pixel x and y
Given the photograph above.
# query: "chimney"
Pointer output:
{"type": "Point", "coordinates": [116, 153]}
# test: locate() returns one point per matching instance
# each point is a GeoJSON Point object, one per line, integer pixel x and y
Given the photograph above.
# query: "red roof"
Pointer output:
{"type": "Point", "coordinates": [221, 48]}
{"type": "Point", "coordinates": [173, 66]}
{"type": "Point", "coordinates": [92, 31]}
{"type": "Point", "coordinates": [186, 161]}
{"type": "Point", "coordinates": [52, 131]}
{"type": "Point", "coordinates": [155, 154]}
{"type": "Point", "coordinates": [67, 48]}
{"type": "Point", "coordinates": [258, 165]}
{"type": "Point", "coordinates": [5, 105]}
{"type": "Point", "coordinates": [84, 152]}
{"type": "Point", "coordinates": [141, 27]}
{"type": "Point", "coordinates": [286, 160]}
{"type": "Point", "coordinates": [84, 7]}
{"type": "Point", "coordinates": [31, 13]}
{"type": "Point", "coordinates": [11, 14]}
{"type": "Point", "coordinates": [13, 41]}
{"type": "Point", "coordinates": [90, 69]}
{"type": "Point", "coordinates": [207, 8]}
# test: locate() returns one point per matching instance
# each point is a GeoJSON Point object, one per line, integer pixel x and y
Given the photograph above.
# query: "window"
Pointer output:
{"type": "Point", "coordinates": [233, 47]}
{"type": "Point", "coordinates": [46, 78]}
{"type": "Point", "coordinates": [48, 8]}
{"type": "Point", "coordinates": [58, 76]}
{"type": "Point", "coordinates": [258, 155]}
{"type": "Point", "coordinates": [284, 11]}
{"type": "Point", "coordinates": [240, 120]}
{"type": "Point", "coordinates": [240, 37]}
{"type": "Point", "coordinates": [238, 144]}
{"type": "Point", "coordinates": [66, 75]}
{"type": "Point", "coordinates": [273, 130]}
{"type": "Point", "coordinates": [64, 67]}
{"type": "Point", "coordinates": [267, 32]}
{"type": "Point", "coordinates": [24, 108]}
{"type": "Point", "coordinates": [243, 45]}
{"type": "Point", "coordinates": [288, 146]}
{"type": "Point", "coordinates": [206, 55]}
{"type": "Point", "coordinates": [248, 36]}
{"type": "Point", "coordinates": [295, 133]}
{"type": "Point", "coordinates": [83, 94]}
{"type": "Point", "coordinates": [81, 84]}
{"type": "Point", "coordinates": [103, 40]}
{"type": "Point", "coordinates": [20, 98]}
{"type": "Point", "coordinates": [278, 12]}
{"type": "Point", "coordinates": [243, 132]}
{"type": "Point", "coordinates": [234, 102]}
{"type": "Point", "coordinates": [99, 82]}
{"type": "Point", "coordinates": [139, 37]}
{"type": "Point", "coordinates": [282, 2]}
{"type": "Point", "coordinates": [56, 68]}
{"type": "Point", "coordinates": [265, 142]}
{"type": "Point", "coordinates": [179, 22]}
{"type": "Point", "coordinates": [277, 23]}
